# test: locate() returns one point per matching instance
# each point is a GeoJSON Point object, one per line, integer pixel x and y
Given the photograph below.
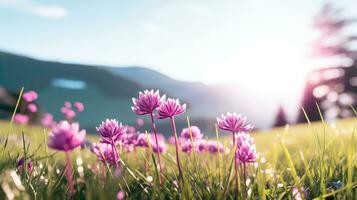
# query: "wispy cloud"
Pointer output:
{"type": "Point", "coordinates": [31, 7]}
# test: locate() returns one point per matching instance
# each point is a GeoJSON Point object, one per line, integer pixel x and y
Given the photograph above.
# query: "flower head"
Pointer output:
{"type": "Point", "coordinates": [213, 147]}
{"type": "Point", "coordinates": [32, 107]}
{"type": "Point", "coordinates": [21, 119]}
{"type": "Point", "coordinates": [170, 108]}
{"type": "Point", "coordinates": [147, 102]}
{"type": "Point", "coordinates": [79, 106]}
{"type": "Point", "coordinates": [245, 152]}
{"type": "Point", "coordinates": [187, 147]}
{"type": "Point", "coordinates": [180, 140]}
{"type": "Point", "coordinates": [234, 123]}
{"type": "Point", "coordinates": [111, 131]}
{"type": "Point", "coordinates": [47, 120]}
{"type": "Point", "coordinates": [66, 137]}
{"type": "Point", "coordinates": [105, 153]}
{"type": "Point", "coordinates": [140, 122]}
{"type": "Point", "coordinates": [194, 130]}
{"type": "Point", "coordinates": [120, 195]}
{"type": "Point", "coordinates": [30, 96]}
{"type": "Point", "coordinates": [201, 146]}
{"type": "Point", "coordinates": [20, 163]}
{"type": "Point", "coordinates": [161, 147]}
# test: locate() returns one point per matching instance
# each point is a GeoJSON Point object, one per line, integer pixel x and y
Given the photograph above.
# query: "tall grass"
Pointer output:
{"type": "Point", "coordinates": [318, 159]}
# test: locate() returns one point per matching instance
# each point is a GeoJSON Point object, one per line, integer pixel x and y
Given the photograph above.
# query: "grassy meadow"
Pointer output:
{"type": "Point", "coordinates": [308, 161]}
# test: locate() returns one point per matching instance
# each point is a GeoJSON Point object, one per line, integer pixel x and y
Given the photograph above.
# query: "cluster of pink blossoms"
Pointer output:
{"type": "Point", "coordinates": [30, 107]}
{"type": "Point", "coordinates": [245, 146]}
{"type": "Point", "coordinates": [68, 112]}
{"type": "Point", "coordinates": [111, 133]}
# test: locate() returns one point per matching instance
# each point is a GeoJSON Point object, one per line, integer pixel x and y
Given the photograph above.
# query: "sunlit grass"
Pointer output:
{"type": "Point", "coordinates": [311, 158]}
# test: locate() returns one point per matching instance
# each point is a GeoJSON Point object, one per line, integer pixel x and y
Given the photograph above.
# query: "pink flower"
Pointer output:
{"type": "Point", "coordinates": [111, 131]}
{"type": "Point", "coordinates": [66, 137]}
{"type": "Point", "coordinates": [105, 153]}
{"type": "Point", "coordinates": [20, 164]}
{"type": "Point", "coordinates": [246, 152]}
{"type": "Point", "coordinates": [147, 102]}
{"type": "Point", "coordinates": [195, 131]}
{"type": "Point", "coordinates": [79, 106]}
{"type": "Point", "coordinates": [30, 96]}
{"type": "Point", "coordinates": [47, 120]}
{"type": "Point", "coordinates": [32, 107]}
{"type": "Point", "coordinates": [67, 104]}
{"type": "Point", "coordinates": [21, 119]}
{"type": "Point", "coordinates": [141, 140]}
{"type": "Point", "coordinates": [170, 108]}
{"type": "Point", "coordinates": [213, 147]}
{"type": "Point", "coordinates": [160, 148]}
{"type": "Point", "coordinates": [187, 147]}
{"type": "Point", "coordinates": [140, 122]}
{"type": "Point", "coordinates": [180, 140]}
{"type": "Point", "coordinates": [120, 195]}
{"type": "Point", "coordinates": [70, 114]}
{"type": "Point", "coordinates": [234, 123]}
{"type": "Point", "coordinates": [201, 146]}
{"type": "Point", "coordinates": [130, 129]}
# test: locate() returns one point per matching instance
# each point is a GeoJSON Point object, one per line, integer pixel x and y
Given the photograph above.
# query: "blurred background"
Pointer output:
{"type": "Point", "coordinates": [263, 59]}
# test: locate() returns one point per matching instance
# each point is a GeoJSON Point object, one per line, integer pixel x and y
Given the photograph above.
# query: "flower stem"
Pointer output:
{"type": "Point", "coordinates": [115, 153]}
{"type": "Point", "coordinates": [235, 165]}
{"type": "Point", "coordinates": [69, 173]}
{"type": "Point", "coordinates": [157, 145]}
{"type": "Point", "coordinates": [245, 181]}
{"type": "Point", "coordinates": [173, 126]}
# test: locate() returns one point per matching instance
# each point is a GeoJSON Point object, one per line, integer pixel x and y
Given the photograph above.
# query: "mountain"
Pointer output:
{"type": "Point", "coordinates": [107, 92]}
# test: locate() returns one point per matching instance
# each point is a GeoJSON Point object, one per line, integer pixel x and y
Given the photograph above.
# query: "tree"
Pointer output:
{"type": "Point", "coordinates": [334, 86]}
{"type": "Point", "coordinates": [280, 119]}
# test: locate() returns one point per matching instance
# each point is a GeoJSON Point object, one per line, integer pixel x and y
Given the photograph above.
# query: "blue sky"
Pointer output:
{"type": "Point", "coordinates": [248, 42]}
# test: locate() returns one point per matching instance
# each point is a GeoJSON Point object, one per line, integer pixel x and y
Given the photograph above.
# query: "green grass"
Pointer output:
{"type": "Point", "coordinates": [301, 156]}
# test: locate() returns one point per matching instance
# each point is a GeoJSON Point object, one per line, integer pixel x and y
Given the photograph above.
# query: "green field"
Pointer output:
{"type": "Point", "coordinates": [318, 159]}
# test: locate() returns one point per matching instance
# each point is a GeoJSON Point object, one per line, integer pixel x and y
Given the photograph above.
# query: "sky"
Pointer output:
{"type": "Point", "coordinates": [261, 45]}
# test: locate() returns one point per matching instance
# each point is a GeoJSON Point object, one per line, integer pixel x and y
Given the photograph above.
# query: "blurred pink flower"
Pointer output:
{"type": "Point", "coordinates": [47, 120]}
{"type": "Point", "coordinates": [111, 131]}
{"type": "Point", "coordinates": [70, 114]}
{"type": "Point", "coordinates": [79, 106]}
{"type": "Point", "coordinates": [213, 147]}
{"type": "Point", "coordinates": [120, 195]}
{"type": "Point", "coordinates": [130, 129]}
{"type": "Point", "coordinates": [246, 152]}
{"type": "Point", "coordinates": [187, 147]}
{"type": "Point", "coordinates": [105, 153]}
{"type": "Point", "coordinates": [32, 107]}
{"type": "Point", "coordinates": [30, 96]}
{"type": "Point", "coordinates": [201, 146]}
{"type": "Point", "coordinates": [170, 108]}
{"type": "Point", "coordinates": [147, 102]}
{"type": "Point", "coordinates": [21, 119]}
{"type": "Point", "coordinates": [140, 122]}
{"type": "Point", "coordinates": [160, 148]}
{"type": "Point", "coordinates": [20, 164]}
{"type": "Point", "coordinates": [180, 140]}
{"type": "Point", "coordinates": [66, 137]}
{"type": "Point", "coordinates": [67, 104]}
{"type": "Point", "coordinates": [234, 123]}
{"type": "Point", "coordinates": [195, 131]}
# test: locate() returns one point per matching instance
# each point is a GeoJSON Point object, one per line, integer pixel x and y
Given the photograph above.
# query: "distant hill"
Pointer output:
{"type": "Point", "coordinates": [107, 91]}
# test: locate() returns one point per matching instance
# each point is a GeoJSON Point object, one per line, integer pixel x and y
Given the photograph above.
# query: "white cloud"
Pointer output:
{"type": "Point", "coordinates": [31, 7]}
